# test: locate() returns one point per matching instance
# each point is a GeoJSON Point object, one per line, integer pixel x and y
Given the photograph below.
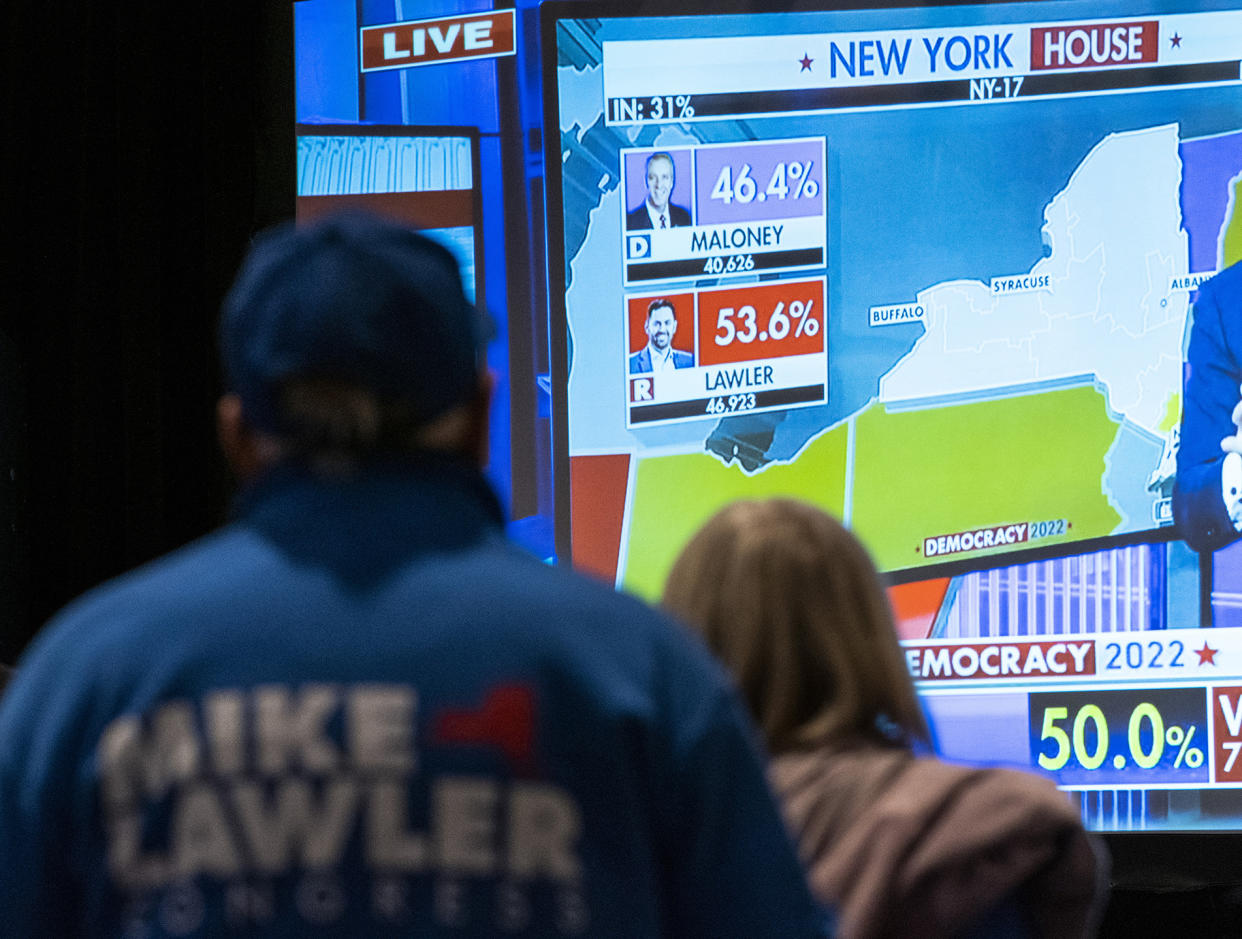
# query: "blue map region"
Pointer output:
{"type": "Point", "coordinates": [1208, 165]}
{"type": "Point", "coordinates": [974, 211]}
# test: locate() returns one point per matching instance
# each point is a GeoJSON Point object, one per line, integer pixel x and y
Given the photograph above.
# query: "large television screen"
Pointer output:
{"type": "Point", "coordinates": [931, 268]}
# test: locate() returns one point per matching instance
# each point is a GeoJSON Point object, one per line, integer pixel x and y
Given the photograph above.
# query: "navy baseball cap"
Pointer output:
{"type": "Point", "coordinates": [352, 298]}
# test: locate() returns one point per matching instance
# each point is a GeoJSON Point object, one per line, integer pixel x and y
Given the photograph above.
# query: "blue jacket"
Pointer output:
{"type": "Point", "coordinates": [640, 361]}
{"type": "Point", "coordinates": [640, 218]}
{"type": "Point", "coordinates": [1212, 380]}
{"type": "Point", "coordinates": [358, 711]}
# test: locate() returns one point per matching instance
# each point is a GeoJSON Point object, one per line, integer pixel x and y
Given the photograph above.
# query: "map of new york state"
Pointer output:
{"type": "Point", "coordinates": [1043, 395]}
{"type": "Point", "coordinates": [1116, 241]}
{"type": "Point", "coordinates": [1040, 395]}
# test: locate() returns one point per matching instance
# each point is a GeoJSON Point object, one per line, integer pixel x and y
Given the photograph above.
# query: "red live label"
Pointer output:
{"type": "Point", "coordinates": [1227, 730]}
{"type": "Point", "coordinates": [761, 321]}
{"type": "Point", "coordinates": [444, 39]}
{"type": "Point", "coordinates": [1094, 45]}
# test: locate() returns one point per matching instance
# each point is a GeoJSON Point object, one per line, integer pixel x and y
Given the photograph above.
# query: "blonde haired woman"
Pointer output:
{"type": "Point", "coordinates": [900, 845]}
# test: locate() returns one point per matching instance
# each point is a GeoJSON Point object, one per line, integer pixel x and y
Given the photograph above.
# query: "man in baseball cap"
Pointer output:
{"type": "Point", "coordinates": [366, 325]}
{"type": "Point", "coordinates": [356, 710]}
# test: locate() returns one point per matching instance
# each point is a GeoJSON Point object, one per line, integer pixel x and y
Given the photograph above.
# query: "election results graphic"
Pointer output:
{"type": "Point", "coordinates": [710, 79]}
{"type": "Point", "coordinates": [995, 223]}
{"type": "Point", "coordinates": [931, 270]}
{"type": "Point", "coordinates": [756, 207]}
{"type": "Point", "coordinates": [750, 348]}
{"type": "Point", "coordinates": [1131, 710]}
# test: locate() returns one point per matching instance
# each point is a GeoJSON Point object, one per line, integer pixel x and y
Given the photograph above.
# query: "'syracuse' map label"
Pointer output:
{"type": "Point", "coordinates": [1020, 283]}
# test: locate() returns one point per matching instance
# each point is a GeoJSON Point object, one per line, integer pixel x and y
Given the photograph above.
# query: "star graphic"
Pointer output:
{"type": "Point", "coordinates": [1176, 40]}
{"type": "Point", "coordinates": [1207, 655]}
{"type": "Point", "coordinates": [805, 62]}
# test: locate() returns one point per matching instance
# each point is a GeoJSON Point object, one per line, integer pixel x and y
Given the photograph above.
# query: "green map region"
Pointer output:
{"type": "Point", "coordinates": [916, 473]}
{"type": "Point", "coordinates": [1231, 243]}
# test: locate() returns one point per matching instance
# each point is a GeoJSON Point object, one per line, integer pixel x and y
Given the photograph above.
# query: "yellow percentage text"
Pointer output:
{"type": "Point", "coordinates": [1084, 737]}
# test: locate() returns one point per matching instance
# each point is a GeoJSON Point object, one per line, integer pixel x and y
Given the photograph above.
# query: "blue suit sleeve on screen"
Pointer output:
{"type": "Point", "coordinates": [638, 219]}
{"type": "Point", "coordinates": [640, 362]}
{"type": "Point", "coordinates": [1211, 391]}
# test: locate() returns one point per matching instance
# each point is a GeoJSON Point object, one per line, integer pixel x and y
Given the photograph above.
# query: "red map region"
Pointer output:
{"type": "Point", "coordinates": [916, 604]}
{"type": "Point", "coordinates": [597, 509]}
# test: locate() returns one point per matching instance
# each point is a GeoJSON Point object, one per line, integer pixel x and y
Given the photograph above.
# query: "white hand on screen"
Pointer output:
{"type": "Point", "coordinates": [1233, 443]}
{"type": "Point", "coordinates": [1231, 471]}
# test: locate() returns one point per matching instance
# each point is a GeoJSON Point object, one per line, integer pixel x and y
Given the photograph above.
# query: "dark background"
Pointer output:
{"type": "Point", "coordinates": [143, 147]}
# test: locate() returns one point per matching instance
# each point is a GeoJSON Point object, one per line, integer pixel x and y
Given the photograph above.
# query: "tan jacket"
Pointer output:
{"type": "Point", "coordinates": [905, 846]}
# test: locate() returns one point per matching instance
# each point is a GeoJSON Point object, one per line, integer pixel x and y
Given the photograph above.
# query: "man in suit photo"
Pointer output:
{"type": "Point", "coordinates": [656, 211]}
{"type": "Point", "coordinates": [658, 355]}
{"type": "Point", "coordinates": [1207, 504]}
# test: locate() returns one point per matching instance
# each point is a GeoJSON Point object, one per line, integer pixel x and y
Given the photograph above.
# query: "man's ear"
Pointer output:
{"type": "Point", "coordinates": [247, 451]}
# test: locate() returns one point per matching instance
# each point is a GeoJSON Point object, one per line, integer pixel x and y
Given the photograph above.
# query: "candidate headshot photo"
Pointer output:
{"type": "Point", "coordinates": [659, 325]}
{"type": "Point", "coordinates": [659, 207]}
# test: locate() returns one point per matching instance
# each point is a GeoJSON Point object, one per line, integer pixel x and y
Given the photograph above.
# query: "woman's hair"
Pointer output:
{"type": "Point", "coordinates": [791, 603]}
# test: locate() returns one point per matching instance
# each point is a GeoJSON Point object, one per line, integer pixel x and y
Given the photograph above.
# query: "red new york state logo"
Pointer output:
{"type": "Point", "coordinates": [1094, 45]}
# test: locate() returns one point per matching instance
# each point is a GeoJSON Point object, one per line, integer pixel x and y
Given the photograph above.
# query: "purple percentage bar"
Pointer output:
{"type": "Point", "coordinates": [749, 182]}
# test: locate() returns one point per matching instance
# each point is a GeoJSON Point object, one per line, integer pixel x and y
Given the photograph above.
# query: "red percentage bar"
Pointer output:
{"type": "Point", "coordinates": [760, 321]}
